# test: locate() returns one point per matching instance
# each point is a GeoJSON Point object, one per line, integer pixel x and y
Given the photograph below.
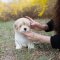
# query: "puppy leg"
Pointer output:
{"type": "Point", "coordinates": [30, 45]}
{"type": "Point", "coordinates": [18, 46]}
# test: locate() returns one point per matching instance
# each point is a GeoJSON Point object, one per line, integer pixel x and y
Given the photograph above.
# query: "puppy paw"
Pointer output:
{"type": "Point", "coordinates": [30, 46]}
{"type": "Point", "coordinates": [19, 47]}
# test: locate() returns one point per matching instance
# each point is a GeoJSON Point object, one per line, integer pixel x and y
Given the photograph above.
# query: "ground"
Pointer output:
{"type": "Point", "coordinates": [8, 51]}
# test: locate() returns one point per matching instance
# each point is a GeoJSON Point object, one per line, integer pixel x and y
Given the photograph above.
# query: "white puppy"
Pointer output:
{"type": "Point", "coordinates": [22, 25]}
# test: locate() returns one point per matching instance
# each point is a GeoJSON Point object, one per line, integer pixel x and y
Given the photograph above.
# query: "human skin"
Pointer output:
{"type": "Point", "coordinates": [35, 36]}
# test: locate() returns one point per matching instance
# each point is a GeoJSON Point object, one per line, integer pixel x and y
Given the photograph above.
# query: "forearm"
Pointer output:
{"type": "Point", "coordinates": [47, 27]}
{"type": "Point", "coordinates": [42, 27]}
{"type": "Point", "coordinates": [43, 38]}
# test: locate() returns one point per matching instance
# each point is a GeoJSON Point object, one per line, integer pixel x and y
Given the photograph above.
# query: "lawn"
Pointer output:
{"type": "Point", "coordinates": [8, 51]}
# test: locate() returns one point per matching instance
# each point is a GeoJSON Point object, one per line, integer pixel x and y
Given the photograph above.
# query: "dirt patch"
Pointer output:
{"type": "Point", "coordinates": [8, 55]}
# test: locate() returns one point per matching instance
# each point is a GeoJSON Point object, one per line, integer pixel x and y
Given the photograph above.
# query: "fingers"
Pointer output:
{"type": "Point", "coordinates": [26, 33]}
{"type": "Point", "coordinates": [32, 23]}
{"type": "Point", "coordinates": [30, 36]}
{"type": "Point", "coordinates": [29, 18]}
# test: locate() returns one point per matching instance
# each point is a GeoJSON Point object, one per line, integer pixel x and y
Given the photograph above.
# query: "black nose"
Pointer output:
{"type": "Point", "coordinates": [25, 29]}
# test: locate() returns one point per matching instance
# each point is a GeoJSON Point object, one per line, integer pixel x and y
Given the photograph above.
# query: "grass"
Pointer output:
{"type": "Point", "coordinates": [8, 51]}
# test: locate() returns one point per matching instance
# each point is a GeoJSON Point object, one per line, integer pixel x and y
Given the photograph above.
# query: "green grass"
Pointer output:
{"type": "Point", "coordinates": [8, 51]}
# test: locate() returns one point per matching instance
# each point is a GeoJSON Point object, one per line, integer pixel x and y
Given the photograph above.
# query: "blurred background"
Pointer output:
{"type": "Point", "coordinates": [41, 11]}
{"type": "Point", "coordinates": [13, 9]}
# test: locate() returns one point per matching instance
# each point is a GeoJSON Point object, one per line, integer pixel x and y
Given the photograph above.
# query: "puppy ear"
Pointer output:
{"type": "Point", "coordinates": [15, 27]}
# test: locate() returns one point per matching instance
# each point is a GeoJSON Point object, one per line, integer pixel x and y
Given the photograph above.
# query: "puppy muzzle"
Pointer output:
{"type": "Point", "coordinates": [24, 29]}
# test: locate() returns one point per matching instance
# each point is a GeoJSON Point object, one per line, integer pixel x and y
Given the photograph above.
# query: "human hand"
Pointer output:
{"type": "Point", "coordinates": [34, 24]}
{"type": "Point", "coordinates": [35, 37]}
{"type": "Point", "coordinates": [31, 36]}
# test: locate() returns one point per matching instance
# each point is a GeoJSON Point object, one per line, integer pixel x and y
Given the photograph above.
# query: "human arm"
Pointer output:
{"type": "Point", "coordinates": [37, 26]}
{"type": "Point", "coordinates": [46, 27]}
{"type": "Point", "coordinates": [53, 40]}
{"type": "Point", "coordinates": [37, 37]}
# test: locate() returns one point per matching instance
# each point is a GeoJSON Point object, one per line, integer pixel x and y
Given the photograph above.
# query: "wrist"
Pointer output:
{"type": "Point", "coordinates": [44, 27]}
{"type": "Point", "coordinates": [41, 38]}
{"type": "Point", "coordinates": [41, 27]}
{"type": "Point", "coordinates": [37, 37]}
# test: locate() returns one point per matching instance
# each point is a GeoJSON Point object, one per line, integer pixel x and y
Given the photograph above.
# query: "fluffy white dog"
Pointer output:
{"type": "Point", "coordinates": [22, 25]}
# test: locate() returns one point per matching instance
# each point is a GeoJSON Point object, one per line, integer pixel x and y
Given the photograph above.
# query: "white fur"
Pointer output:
{"type": "Point", "coordinates": [20, 39]}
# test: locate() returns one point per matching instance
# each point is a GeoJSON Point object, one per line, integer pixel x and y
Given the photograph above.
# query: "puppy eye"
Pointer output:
{"type": "Point", "coordinates": [24, 23]}
{"type": "Point", "coordinates": [20, 26]}
{"type": "Point", "coordinates": [15, 26]}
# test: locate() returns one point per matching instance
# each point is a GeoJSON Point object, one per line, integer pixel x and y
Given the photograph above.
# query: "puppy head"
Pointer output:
{"type": "Point", "coordinates": [22, 25]}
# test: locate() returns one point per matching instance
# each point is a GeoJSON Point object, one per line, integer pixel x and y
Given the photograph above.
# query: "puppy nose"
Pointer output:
{"type": "Point", "coordinates": [25, 29]}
